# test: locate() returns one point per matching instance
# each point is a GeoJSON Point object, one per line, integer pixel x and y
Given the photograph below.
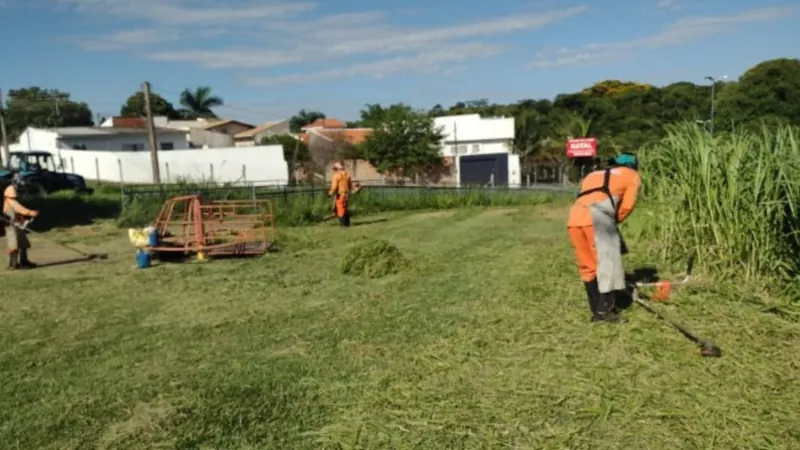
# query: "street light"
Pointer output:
{"type": "Point", "coordinates": [713, 97]}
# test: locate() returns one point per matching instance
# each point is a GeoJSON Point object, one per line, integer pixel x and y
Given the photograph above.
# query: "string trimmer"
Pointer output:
{"type": "Point", "coordinates": [356, 189]}
{"type": "Point", "coordinates": [25, 227]}
{"type": "Point", "coordinates": [663, 290]}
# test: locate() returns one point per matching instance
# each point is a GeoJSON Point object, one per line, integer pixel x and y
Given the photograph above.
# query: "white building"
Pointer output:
{"type": "Point", "coordinates": [482, 149]}
{"type": "Point", "coordinates": [98, 138]}
{"type": "Point", "coordinates": [471, 134]}
{"type": "Point", "coordinates": [200, 133]}
{"type": "Point", "coordinates": [253, 136]}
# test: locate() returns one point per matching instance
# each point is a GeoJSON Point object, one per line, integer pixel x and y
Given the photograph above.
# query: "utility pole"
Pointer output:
{"type": "Point", "coordinates": [713, 99]}
{"type": "Point", "coordinates": [6, 152]}
{"type": "Point", "coordinates": [151, 131]}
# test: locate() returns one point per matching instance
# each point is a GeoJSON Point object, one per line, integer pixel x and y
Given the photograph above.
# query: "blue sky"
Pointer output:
{"type": "Point", "coordinates": [270, 58]}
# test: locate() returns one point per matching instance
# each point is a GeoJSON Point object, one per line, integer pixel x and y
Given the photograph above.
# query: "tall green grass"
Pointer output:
{"type": "Point", "coordinates": [731, 198]}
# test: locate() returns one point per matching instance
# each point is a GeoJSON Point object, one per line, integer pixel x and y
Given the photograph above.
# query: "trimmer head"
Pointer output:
{"type": "Point", "coordinates": [710, 350]}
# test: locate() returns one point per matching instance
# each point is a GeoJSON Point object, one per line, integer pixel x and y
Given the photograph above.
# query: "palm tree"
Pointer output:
{"type": "Point", "coordinates": [199, 103]}
{"type": "Point", "coordinates": [304, 118]}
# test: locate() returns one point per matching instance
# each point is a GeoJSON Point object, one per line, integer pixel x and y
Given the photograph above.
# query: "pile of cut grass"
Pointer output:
{"type": "Point", "coordinates": [731, 199]}
{"type": "Point", "coordinates": [373, 258]}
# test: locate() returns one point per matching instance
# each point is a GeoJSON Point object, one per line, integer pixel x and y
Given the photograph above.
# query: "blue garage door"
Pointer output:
{"type": "Point", "coordinates": [478, 169]}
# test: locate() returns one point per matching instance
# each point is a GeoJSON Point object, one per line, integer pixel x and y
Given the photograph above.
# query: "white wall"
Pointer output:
{"type": "Point", "coordinates": [514, 171]}
{"type": "Point", "coordinates": [477, 148]}
{"type": "Point", "coordinates": [260, 165]}
{"type": "Point", "coordinates": [472, 127]}
{"type": "Point", "coordinates": [35, 140]}
{"type": "Point", "coordinates": [115, 142]}
{"type": "Point", "coordinates": [475, 135]}
{"type": "Point", "coordinates": [39, 139]}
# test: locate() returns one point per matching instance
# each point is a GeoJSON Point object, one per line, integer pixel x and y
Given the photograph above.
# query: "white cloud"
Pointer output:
{"type": "Point", "coordinates": [445, 60]}
{"type": "Point", "coordinates": [130, 38]}
{"type": "Point", "coordinates": [669, 4]}
{"type": "Point", "coordinates": [291, 36]}
{"type": "Point", "coordinates": [681, 32]}
{"type": "Point", "coordinates": [185, 12]}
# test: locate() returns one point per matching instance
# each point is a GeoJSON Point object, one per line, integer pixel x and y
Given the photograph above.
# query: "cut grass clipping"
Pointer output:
{"type": "Point", "coordinates": [373, 258]}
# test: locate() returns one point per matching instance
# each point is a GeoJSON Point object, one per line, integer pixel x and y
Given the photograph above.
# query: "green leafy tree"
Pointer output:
{"type": "Point", "coordinates": [303, 118]}
{"type": "Point", "coordinates": [135, 106]}
{"type": "Point", "coordinates": [43, 108]}
{"type": "Point", "coordinates": [770, 90]}
{"type": "Point", "coordinates": [199, 103]}
{"type": "Point", "coordinates": [290, 144]}
{"type": "Point", "coordinates": [405, 143]}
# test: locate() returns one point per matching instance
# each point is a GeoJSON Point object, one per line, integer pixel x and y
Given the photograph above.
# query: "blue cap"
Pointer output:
{"type": "Point", "coordinates": [627, 159]}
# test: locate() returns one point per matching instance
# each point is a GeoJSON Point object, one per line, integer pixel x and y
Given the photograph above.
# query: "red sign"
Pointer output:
{"type": "Point", "coordinates": [582, 148]}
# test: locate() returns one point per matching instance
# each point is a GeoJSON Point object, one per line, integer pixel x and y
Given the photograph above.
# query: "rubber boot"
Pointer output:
{"type": "Point", "coordinates": [24, 262]}
{"type": "Point", "coordinates": [13, 260]}
{"type": "Point", "coordinates": [610, 313]}
{"type": "Point", "coordinates": [593, 295]}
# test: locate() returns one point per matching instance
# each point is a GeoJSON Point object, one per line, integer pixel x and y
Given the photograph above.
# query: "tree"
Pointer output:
{"type": "Point", "coordinates": [303, 118]}
{"type": "Point", "coordinates": [43, 108]}
{"type": "Point", "coordinates": [295, 151]}
{"type": "Point", "coordinates": [199, 103]}
{"type": "Point", "coordinates": [404, 144]}
{"type": "Point", "coordinates": [769, 89]}
{"type": "Point", "coordinates": [135, 106]}
{"type": "Point", "coordinates": [289, 144]}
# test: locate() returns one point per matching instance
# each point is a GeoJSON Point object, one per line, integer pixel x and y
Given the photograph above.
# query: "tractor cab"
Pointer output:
{"type": "Point", "coordinates": [36, 172]}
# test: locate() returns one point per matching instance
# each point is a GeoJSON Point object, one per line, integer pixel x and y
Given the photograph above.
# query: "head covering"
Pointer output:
{"type": "Point", "coordinates": [10, 192]}
{"type": "Point", "coordinates": [338, 166]}
{"type": "Point", "coordinates": [627, 160]}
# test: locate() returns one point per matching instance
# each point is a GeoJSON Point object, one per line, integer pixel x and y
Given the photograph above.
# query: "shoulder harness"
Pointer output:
{"type": "Point", "coordinates": [604, 188]}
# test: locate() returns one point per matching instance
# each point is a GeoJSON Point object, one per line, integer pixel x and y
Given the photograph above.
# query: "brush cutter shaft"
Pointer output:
{"type": "Point", "coordinates": [24, 227]}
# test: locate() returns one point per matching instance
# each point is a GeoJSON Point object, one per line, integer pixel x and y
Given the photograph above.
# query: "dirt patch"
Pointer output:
{"type": "Point", "coordinates": [147, 422]}
{"type": "Point", "coordinates": [553, 212]}
{"type": "Point", "coordinates": [432, 215]}
{"type": "Point", "coordinates": [500, 211]}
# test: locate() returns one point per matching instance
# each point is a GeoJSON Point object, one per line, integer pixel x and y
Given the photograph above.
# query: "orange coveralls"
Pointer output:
{"type": "Point", "coordinates": [607, 198]}
{"type": "Point", "coordinates": [341, 185]}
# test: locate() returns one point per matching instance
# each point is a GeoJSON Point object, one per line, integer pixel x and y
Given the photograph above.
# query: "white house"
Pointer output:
{"type": "Point", "coordinates": [482, 149]}
{"type": "Point", "coordinates": [98, 138]}
{"type": "Point", "coordinates": [200, 133]}
{"type": "Point", "coordinates": [253, 136]}
{"type": "Point", "coordinates": [471, 134]}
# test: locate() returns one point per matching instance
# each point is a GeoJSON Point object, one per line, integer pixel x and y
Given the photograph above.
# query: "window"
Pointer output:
{"type": "Point", "coordinates": [132, 147]}
{"type": "Point", "coordinates": [462, 149]}
{"type": "Point", "coordinates": [476, 148]}
{"type": "Point", "coordinates": [167, 146]}
{"type": "Point", "coordinates": [79, 146]}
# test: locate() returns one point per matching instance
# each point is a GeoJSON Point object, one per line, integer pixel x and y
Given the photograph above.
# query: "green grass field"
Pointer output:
{"type": "Point", "coordinates": [484, 342]}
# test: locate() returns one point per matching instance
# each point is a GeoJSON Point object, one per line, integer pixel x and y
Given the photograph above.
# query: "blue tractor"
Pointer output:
{"type": "Point", "coordinates": [36, 173]}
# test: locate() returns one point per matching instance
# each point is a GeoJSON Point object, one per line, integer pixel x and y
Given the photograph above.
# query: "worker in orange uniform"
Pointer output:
{"type": "Point", "coordinates": [16, 238]}
{"type": "Point", "coordinates": [341, 186]}
{"type": "Point", "coordinates": [607, 197]}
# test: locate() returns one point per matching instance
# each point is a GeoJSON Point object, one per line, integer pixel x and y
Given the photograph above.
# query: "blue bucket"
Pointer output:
{"type": "Point", "coordinates": [142, 259]}
{"type": "Point", "coordinates": [153, 238]}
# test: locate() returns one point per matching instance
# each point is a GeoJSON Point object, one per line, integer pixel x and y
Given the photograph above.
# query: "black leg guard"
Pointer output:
{"type": "Point", "coordinates": [24, 262]}
{"type": "Point", "coordinates": [593, 295]}
{"type": "Point", "coordinates": [346, 219]}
